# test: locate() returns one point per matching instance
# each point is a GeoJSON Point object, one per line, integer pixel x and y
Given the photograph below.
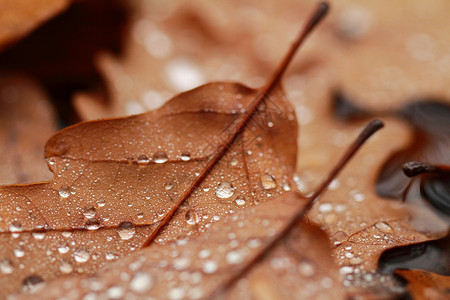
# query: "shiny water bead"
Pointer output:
{"type": "Point", "coordinates": [268, 182]}
{"type": "Point", "coordinates": [160, 157]}
{"type": "Point", "coordinates": [224, 190]}
{"type": "Point", "coordinates": [126, 230]}
{"type": "Point", "coordinates": [81, 255]}
{"type": "Point", "coordinates": [64, 191]}
{"type": "Point", "coordinates": [143, 160]}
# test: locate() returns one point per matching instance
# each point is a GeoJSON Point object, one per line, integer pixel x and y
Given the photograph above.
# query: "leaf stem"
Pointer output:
{"type": "Point", "coordinates": [239, 124]}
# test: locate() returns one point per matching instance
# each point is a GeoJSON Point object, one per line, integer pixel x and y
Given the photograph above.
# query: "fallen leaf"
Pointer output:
{"type": "Point", "coordinates": [19, 17]}
{"type": "Point", "coordinates": [24, 110]}
{"type": "Point", "coordinates": [300, 267]}
{"type": "Point", "coordinates": [425, 285]}
{"type": "Point", "coordinates": [126, 175]}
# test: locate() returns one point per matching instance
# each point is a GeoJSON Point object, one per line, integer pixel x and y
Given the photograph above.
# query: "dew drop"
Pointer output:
{"type": "Point", "coordinates": [66, 234]}
{"type": "Point", "coordinates": [92, 224]}
{"type": "Point", "coordinates": [209, 267]}
{"type": "Point", "coordinates": [111, 256]}
{"type": "Point", "coordinates": [141, 282]}
{"type": "Point", "coordinates": [89, 212]}
{"type": "Point", "coordinates": [115, 292]}
{"type": "Point", "coordinates": [185, 156]}
{"type": "Point", "coordinates": [306, 269]}
{"type": "Point", "coordinates": [39, 235]}
{"type": "Point", "coordinates": [126, 230]}
{"type": "Point", "coordinates": [286, 187]}
{"type": "Point", "coordinates": [240, 201]}
{"type": "Point", "coordinates": [224, 190]}
{"type": "Point", "coordinates": [168, 186]}
{"type": "Point", "coordinates": [160, 157]}
{"type": "Point", "coordinates": [64, 191]}
{"type": "Point", "coordinates": [143, 160]}
{"type": "Point", "coordinates": [19, 252]}
{"type": "Point", "coordinates": [339, 237]}
{"type": "Point", "coordinates": [6, 266]}
{"type": "Point", "coordinates": [15, 227]}
{"type": "Point", "coordinates": [101, 202]}
{"type": "Point", "coordinates": [234, 162]}
{"type": "Point", "coordinates": [65, 267]}
{"type": "Point", "coordinates": [191, 217]}
{"type": "Point", "coordinates": [384, 227]}
{"type": "Point", "coordinates": [325, 207]}
{"type": "Point", "coordinates": [63, 249]}
{"type": "Point", "coordinates": [358, 197]}
{"type": "Point", "coordinates": [234, 257]}
{"type": "Point", "coordinates": [176, 294]}
{"type": "Point", "coordinates": [31, 283]}
{"type": "Point", "coordinates": [81, 255]}
{"type": "Point", "coordinates": [268, 182]}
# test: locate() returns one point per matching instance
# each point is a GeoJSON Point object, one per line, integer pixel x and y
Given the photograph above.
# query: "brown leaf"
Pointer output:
{"type": "Point", "coordinates": [360, 224]}
{"type": "Point", "coordinates": [24, 111]}
{"type": "Point", "coordinates": [300, 267]}
{"type": "Point", "coordinates": [135, 169]}
{"type": "Point", "coordinates": [425, 285]}
{"type": "Point", "coordinates": [19, 17]}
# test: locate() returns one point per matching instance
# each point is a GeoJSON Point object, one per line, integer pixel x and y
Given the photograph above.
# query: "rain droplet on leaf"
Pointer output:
{"type": "Point", "coordinates": [126, 230]}
{"type": "Point", "coordinates": [160, 157]}
{"type": "Point", "coordinates": [268, 182]}
{"type": "Point", "coordinates": [224, 190]}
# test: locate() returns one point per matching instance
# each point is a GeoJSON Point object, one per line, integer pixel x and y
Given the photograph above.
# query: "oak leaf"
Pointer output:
{"type": "Point", "coordinates": [19, 17]}
{"type": "Point", "coordinates": [24, 110]}
{"type": "Point", "coordinates": [115, 180]}
{"type": "Point", "coordinates": [425, 285]}
{"type": "Point", "coordinates": [211, 265]}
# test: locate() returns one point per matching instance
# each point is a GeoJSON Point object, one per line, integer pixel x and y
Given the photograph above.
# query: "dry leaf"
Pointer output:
{"type": "Point", "coordinates": [24, 110]}
{"type": "Point", "coordinates": [19, 17]}
{"type": "Point", "coordinates": [300, 267]}
{"type": "Point", "coordinates": [425, 285]}
{"type": "Point", "coordinates": [118, 177]}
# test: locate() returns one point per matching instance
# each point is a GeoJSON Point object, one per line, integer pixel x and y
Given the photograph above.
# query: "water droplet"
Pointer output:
{"type": "Point", "coordinates": [160, 157]}
{"type": "Point", "coordinates": [339, 237]}
{"type": "Point", "coordinates": [176, 293]}
{"type": "Point", "coordinates": [65, 267]}
{"type": "Point", "coordinates": [64, 191]}
{"type": "Point", "coordinates": [204, 253]}
{"type": "Point", "coordinates": [268, 182]}
{"type": "Point", "coordinates": [141, 282]}
{"type": "Point", "coordinates": [234, 162]}
{"type": "Point", "coordinates": [384, 227]}
{"type": "Point", "coordinates": [239, 201]}
{"type": "Point", "coordinates": [115, 292]}
{"type": "Point", "coordinates": [306, 269]}
{"type": "Point", "coordinates": [286, 187]}
{"type": "Point", "coordinates": [31, 283]}
{"type": "Point", "coordinates": [168, 186]}
{"type": "Point", "coordinates": [92, 224]}
{"type": "Point", "coordinates": [63, 249]}
{"type": "Point", "coordinates": [6, 266]}
{"type": "Point", "coordinates": [111, 256]}
{"type": "Point", "coordinates": [89, 212]}
{"type": "Point", "coordinates": [209, 267]}
{"type": "Point", "coordinates": [19, 252]}
{"type": "Point", "coordinates": [101, 202]}
{"type": "Point", "coordinates": [143, 160]}
{"type": "Point", "coordinates": [81, 255]}
{"type": "Point", "coordinates": [15, 227]}
{"type": "Point", "coordinates": [224, 190]}
{"type": "Point", "coordinates": [325, 207]}
{"type": "Point", "coordinates": [66, 234]}
{"type": "Point", "coordinates": [181, 263]}
{"type": "Point", "coordinates": [334, 184]}
{"type": "Point", "coordinates": [191, 217]}
{"type": "Point", "coordinates": [126, 230]}
{"type": "Point", "coordinates": [39, 235]}
{"type": "Point", "coordinates": [234, 257]}
{"type": "Point", "coordinates": [185, 156]}
{"type": "Point", "coordinates": [358, 197]}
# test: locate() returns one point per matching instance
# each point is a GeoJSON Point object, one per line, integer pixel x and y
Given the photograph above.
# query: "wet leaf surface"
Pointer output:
{"type": "Point", "coordinates": [300, 267]}
{"type": "Point", "coordinates": [426, 285]}
{"type": "Point", "coordinates": [109, 201]}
